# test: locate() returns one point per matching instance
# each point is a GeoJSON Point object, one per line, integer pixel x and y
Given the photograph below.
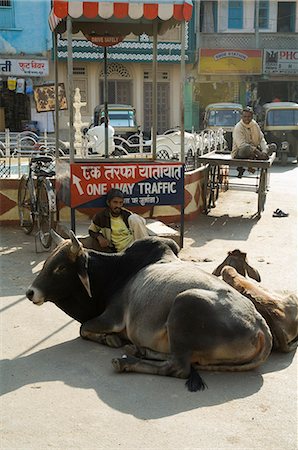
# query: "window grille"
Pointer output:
{"type": "Point", "coordinates": [7, 19]}
{"type": "Point", "coordinates": [79, 70]}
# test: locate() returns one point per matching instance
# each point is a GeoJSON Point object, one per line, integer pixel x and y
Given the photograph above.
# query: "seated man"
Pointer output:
{"type": "Point", "coordinates": [249, 141]}
{"type": "Point", "coordinates": [115, 228]}
{"type": "Point", "coordinates": [97, 138]}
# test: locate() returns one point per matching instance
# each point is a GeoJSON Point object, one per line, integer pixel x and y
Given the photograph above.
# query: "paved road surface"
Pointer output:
{"type": "Point", "coordinates": [60, 392]}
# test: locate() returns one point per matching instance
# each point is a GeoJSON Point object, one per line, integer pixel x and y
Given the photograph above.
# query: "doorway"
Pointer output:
{"type": "Point", "coordinates": [163, 107]}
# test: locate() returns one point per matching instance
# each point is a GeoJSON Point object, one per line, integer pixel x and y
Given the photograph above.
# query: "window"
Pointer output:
{"type": "Point", "coordinates": [77, 70]}
{"type": "Point", "coordinates": [224, 118]}
{"type": "Point", "coordinates": [119, 91]}
{"type": "Point", "coordinates": [208, 16]}
{"type": "Point", "coordinates": [235, 19]}
{"type": "Point", "coordinates": [6, 14]}
{"type": "Point", "coordinates": [264, 14]}
{"type": "Point", "coordinates": [282, 117]}
{"type": "Point", "coordinates": [286, 14]}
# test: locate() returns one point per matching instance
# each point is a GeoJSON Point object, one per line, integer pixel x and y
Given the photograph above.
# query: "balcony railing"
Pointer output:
{"type": "Point", "coordinates": [248, 40]}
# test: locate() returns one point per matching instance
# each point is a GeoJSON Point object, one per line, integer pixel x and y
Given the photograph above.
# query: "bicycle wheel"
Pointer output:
{"type": "Point", "coordinates": [45, 214]}
{"type": "Point", "coordinates": [25, 206]}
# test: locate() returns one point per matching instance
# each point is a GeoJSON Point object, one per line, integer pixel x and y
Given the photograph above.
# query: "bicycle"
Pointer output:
{"type": "Point", "coordinates": [37, 199]}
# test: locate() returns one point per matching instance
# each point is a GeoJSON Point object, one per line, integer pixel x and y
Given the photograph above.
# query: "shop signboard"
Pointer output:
{"type": "Point", "coordinates": [280, 61]}
{"type": "Point", "coordinates": [232, 62]}
{"type": "Point", "coordinates": [24, 67]}
{"type": "Point", "coordinates": [143, 184]}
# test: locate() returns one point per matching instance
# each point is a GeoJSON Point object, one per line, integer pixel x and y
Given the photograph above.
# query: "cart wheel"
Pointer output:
{"type": "Point", "coordinates": [206, 191]}
{"type": "Point", "coordinates": [262, 192]}
{"type": "Point", "coordinates": [283, 158]}
{"type": "Point", "coordinates": [214, 181]}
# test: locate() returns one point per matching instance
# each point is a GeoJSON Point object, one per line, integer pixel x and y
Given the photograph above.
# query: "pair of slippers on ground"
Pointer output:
{"type": "Point", "coordinates": [279, 213]}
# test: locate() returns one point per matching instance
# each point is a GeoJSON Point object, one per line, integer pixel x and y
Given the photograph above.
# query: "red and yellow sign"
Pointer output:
{"type": "Point", "coordinates": [232, 62]}
{"type": "Point", "coordinates": [104, 41]}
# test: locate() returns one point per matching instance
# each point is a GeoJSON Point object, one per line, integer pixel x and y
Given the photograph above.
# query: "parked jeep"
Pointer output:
{"type": "Point", "coordinates": [279, 122]}
{"type": "Point", "coordinates": [223, 115]}
{"type": "Point", "coordinates": [122, 119]}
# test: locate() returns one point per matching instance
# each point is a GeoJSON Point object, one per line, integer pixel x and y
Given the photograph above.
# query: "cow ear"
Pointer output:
{"type": "Point", "coordinates": [252, 273]}
{"type": "Point", "coordinates": [76, 245]}
{"type": "Point", "coordinates": [82, 263]}
{"type": "Point", "coordinates": [218, 269]}
{"type": "Point", "coordinates": [56, 237]}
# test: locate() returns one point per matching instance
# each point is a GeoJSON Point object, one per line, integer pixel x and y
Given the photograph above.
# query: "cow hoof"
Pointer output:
{"type": "Point", "coordinates": [131, 350]}
{"type": "Point", "coordinates": [117, 363]}
{"type": "Point", "coordinates": [112, 340]}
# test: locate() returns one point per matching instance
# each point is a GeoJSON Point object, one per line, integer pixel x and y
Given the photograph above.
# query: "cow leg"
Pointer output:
{"type": "Point", "coordinates": [111, 340]}
{"type": "Point", "coordinates": [178, 367]}
{"type": "Point", "coordinates": [104, 330]}
{"type": "Point", "coordinates": [146, 353]}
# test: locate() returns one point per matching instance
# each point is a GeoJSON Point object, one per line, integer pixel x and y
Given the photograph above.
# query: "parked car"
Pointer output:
{"type": "Point", "coordinates": [122, 119]}
{"type": "Point", "coordinates": [279, 122]}
{"type": "Point", "coordinates": [223, 115]}
{"type": "Point", "coordinates": [168, 145]}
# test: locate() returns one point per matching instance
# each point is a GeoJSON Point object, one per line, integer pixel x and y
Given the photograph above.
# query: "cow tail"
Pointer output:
{"type": "Point", "coordinates": [195, 382]}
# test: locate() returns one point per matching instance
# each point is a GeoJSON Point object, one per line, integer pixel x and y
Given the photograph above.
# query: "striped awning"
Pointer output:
{"type": "Point", "coordinates": [130, 12]}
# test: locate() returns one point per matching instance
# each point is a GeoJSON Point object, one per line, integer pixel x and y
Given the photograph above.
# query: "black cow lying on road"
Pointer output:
{"type": "Point", "coordinates": [178, 318]}
{"type": "Point", "coordinates": [279, 311]}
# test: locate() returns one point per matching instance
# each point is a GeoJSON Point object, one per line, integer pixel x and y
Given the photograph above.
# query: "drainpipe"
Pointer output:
{"type": "Point", "coordinates": [70, 98]}
{"type": "Point", "coordinates": [257, 11]}
{"type": "Point", "coordinates": [55, 34]}
{"type": "Point", "coordinates": [197, 28]}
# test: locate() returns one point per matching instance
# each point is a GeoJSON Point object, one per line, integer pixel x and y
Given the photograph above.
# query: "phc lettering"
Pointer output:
{"type": "Point", "coordinates": [291, 55]}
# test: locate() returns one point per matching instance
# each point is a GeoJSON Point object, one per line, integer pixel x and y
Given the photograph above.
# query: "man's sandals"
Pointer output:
{"type": "Point", "coordinates": [279, 213]}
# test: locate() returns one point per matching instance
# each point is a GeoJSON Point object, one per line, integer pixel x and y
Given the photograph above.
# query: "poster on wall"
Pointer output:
{"type": "Point", "coordinates": [44, 97]}
{"type": "Point", "coordinates": [232, 62]}
{"type": "Point", "coordinates": [280, 61]}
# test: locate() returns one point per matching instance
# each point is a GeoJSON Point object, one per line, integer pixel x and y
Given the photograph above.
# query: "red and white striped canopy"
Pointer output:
{"type": "Point", "coordinates": [131, 11]}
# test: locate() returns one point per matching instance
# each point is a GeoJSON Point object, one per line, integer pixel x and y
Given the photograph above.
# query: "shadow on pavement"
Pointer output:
{"type": "Point", "coordinates": [222, 227]}
{"type": "Point", "coordinates": [86, 365]}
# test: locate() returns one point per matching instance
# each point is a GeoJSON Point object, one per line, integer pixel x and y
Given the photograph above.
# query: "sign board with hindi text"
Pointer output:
{"type": "Point", "coordinates": [24, 67]}
{"type": "Point", "coordinates": [142, 184]}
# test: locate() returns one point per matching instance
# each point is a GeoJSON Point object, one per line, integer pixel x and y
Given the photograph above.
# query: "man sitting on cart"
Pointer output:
{"type": "Point", "coordinates": [249, 141]}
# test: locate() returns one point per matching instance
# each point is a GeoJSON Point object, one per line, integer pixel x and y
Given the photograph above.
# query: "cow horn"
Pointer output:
{"type": "Point", "coordinates": [76, 245]}
{"type": "Point", "coordinates": [56, 237]}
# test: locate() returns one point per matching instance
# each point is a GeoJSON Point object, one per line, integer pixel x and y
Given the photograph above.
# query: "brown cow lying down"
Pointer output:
{"type": "Point", "coordinates": [280, 312]}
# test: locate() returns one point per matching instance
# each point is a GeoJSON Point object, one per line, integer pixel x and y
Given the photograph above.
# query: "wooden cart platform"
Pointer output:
{"type": "Point", "coordinates": [216, 162]}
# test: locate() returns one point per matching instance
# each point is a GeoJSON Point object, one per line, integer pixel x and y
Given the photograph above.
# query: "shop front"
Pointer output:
{"type": "Point", "coordinates": [18, 77]}
{"type": "Point", "coordinates": [280, 76]}
{"type": "Point", "coordinates": [228, 76]}
{"type": "Point", "coordinates": [250, 77]}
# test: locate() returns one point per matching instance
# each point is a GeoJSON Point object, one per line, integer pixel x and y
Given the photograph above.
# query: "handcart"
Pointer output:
{"type": "Point", "coordinates": [217, 176]}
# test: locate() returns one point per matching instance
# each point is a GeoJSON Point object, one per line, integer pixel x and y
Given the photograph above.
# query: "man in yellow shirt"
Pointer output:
{"type": "Point", "coordinates": [115, 228]}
